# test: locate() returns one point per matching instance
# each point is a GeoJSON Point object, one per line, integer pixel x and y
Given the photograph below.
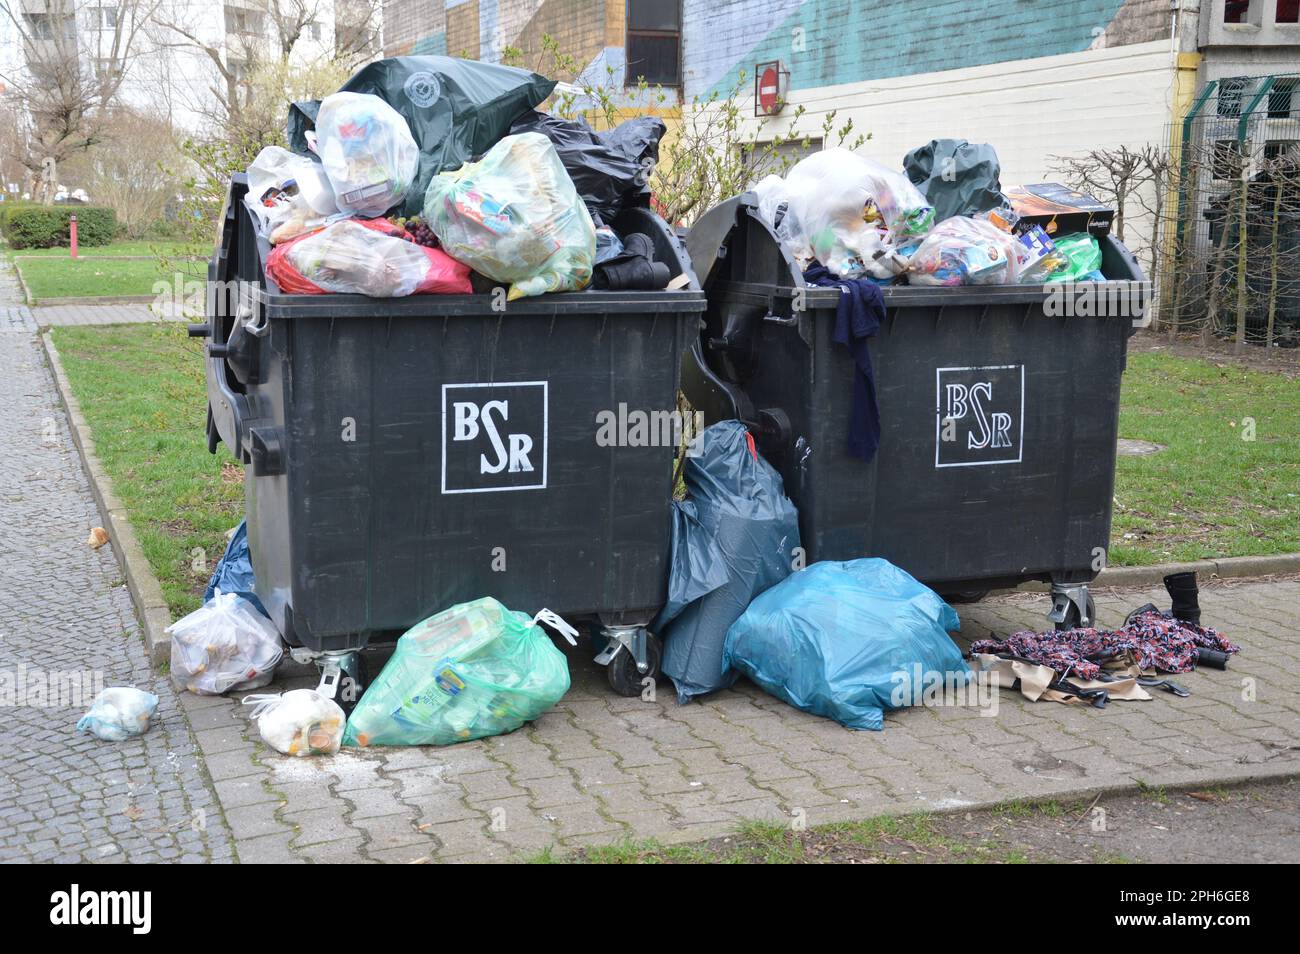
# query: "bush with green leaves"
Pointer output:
{"type": "Point", "coordinates": [48, 226]}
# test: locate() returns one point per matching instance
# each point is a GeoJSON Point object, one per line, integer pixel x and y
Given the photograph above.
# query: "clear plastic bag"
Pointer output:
{"type": "Point", "coordinates": [299, 722]}
{"type": "Point", "coordinates": [515, 217]}
{"type": "Point", "coordinates": [224, 644]}
{"type": "Point", "coordinates": [964, 251]}
{"type": "Point", "coordinates": [365, 257]}
{"type": "Point", "coordinates": [289, 194]}
{"type": "Point", "coordinates": [847, 212]}
{"type": "Point", "coordinates": [367, 150]}
{"type": "Point", "coordinates": [474, 670]}
{"type": "Point", "coordinates": [119, 713]}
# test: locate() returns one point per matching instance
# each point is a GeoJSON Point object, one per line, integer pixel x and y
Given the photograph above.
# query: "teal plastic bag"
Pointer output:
{"type": "Point", "coordinates": [847, 641]}
{"type": "Point", "coordinates": [474, 670]}
{"type": "Point", "coordinates": [1084, 252]}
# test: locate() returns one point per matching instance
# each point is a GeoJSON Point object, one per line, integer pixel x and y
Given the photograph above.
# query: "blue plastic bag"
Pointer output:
{"type": "Point", "coordinates": [234, 572]}
{"type": "Point", "coordinates": [733, 537]}
{"type": "Point", "coordinates": [847, 641]}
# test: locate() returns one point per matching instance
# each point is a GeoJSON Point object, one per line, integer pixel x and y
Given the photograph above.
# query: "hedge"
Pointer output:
{"type": "Point", "coordinates": [46, 226]}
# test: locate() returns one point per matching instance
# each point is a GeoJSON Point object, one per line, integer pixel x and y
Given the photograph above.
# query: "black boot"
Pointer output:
{"type": "Point", "coordinates": [1182, 592]}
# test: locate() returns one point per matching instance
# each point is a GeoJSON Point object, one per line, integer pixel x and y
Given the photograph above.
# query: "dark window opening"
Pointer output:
{"type": "Point", "coordinates": [1281, 97]}
{"type": "Point", "coordinates": [1231, 91]}
{"type": "Point", "coordinates": [1288, 11]}
{"type": "Point", "coordinates": [654, 35]}
{"type": "Point", "coordinates": [1236, 11]}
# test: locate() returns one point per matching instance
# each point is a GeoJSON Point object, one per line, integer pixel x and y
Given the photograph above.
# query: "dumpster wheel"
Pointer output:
{"type": "Point", "coordinates": [621, 669]}
{"type": "Point", "coordinates": [1072, 607]}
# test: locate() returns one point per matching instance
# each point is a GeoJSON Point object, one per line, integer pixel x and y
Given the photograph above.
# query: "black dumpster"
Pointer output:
{"type": "Point", "coordinates": [406, 454]}
{"type": "Point", "coordinates": [999, 421]}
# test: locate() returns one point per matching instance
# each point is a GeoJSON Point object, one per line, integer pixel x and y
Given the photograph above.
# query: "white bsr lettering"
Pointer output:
{"type": "Point", "coordinates": [994, 429]}
{"type": "Point", "coordinates": [468, 417]}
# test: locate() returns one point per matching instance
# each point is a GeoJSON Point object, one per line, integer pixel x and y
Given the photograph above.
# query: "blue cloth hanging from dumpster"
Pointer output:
{"type": "Point", "coordinates": [857, 318]}
{"type": "Point", "coordinates": [847, 641]}
{"type": "Point", "coordinates": [234, 572]}
{"type": "Point", "coordinates": [733, 537]}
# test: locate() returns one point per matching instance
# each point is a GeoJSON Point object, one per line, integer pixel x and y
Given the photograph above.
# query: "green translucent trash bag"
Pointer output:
{"type": "Point", "coordinates": [474, 670]}
{"type": "Point", "coordinates": [1084, 252]}
{"type": "Point", "coordinates": [457, 109]}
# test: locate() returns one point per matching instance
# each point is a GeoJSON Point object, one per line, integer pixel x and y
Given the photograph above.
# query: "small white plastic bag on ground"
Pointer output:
{"type": "Point", "coordinates": [367, 150]}
{"type": "Point", "coordinates": [224, 644]}
{"type": "Point", "coordinates": [299, 722]}
{"type": "Point", "coordinates": [119, 713]}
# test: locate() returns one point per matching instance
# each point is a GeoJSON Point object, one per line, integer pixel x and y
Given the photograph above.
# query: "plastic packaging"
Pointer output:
{"type": "Point", "coordinates": [234, 571]}
{"type": "Point", "coordinates": [1084, 254]}
{"type": "Point", "coordinates": [224, 644]}
{"type": "Point", "coordinates": [299, 722]}
{"type": "Point", "coordinates": [365, 257]}
{"type": "Point", "coordinates": [848, 641]}
{"type": "Point", "coordinates": [962, 251]}
{"type": "Point", "coordinates": [119, 713]}
{"type": "Point", "coordinates": [733, 537]}
{"type": "Point", "coordinates": [1039, 259]}
{"type": "Point", "coordinates": [474, 670]}
{"type": "Point", "coordinates": [367, 151]}
{"type": "Point", "coordinates": [515, 217]}
{"type": "Point", "coordinates": [956, 177]}
{"type": "Point", "coordinates": [845, 211]}
{"type": "Point", "coordinates": [289, 194]}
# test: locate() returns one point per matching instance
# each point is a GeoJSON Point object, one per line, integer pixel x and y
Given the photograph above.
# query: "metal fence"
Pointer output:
{"type": "Point", "coordinates": [1230, 231]}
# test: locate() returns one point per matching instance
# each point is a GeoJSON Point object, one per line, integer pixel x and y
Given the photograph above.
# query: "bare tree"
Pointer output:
{"type": "Point", "coordinates": [74, 59]}
{"type": "Point", "coordinates": [1111, 175]}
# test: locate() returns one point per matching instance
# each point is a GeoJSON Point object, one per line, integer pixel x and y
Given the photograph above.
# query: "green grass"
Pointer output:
{"type": "Point", "coordinates": [142, 392]}
{"type": "Point", "coordinates": [1210, 493]}
{"type": "Point", "coordinates": [100, 277]}
{"type": "Point", "coordinates": [151, 247]}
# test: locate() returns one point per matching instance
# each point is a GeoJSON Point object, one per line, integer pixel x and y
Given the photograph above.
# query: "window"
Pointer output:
{"type": "Point", "coordinates": [1277, 148]}
{"type": "Point", "coordinates": [103, 18]}
{"type": "Point", "coordinates": [313, 30]}
{"type": "Point", "coordinates": [238, 70]}
{"type": "Point", "coordinates": [1231, 91]}
{"type": "Point", "coordinates": [1282, 96]}
{"type": "Point", "coordinates": [243, 21]}
{"type": "Point", "coordinates": [1226, 163]}
{"type": "Point", "coordinates": [654, 42]}
{"type": "Point", "coordinates": [1288, 11]}
{"type": "Point", "coordinates": [1236, 11]}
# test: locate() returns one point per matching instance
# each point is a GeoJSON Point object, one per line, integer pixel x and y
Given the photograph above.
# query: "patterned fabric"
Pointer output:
{"type": "Point", "coordinates": [1157, 641]}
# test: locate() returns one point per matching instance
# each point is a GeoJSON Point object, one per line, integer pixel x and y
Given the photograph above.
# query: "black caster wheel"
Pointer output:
{"type": "Point", "coordinates": [1073, 620]}
{"type": "Point", "coordinates": [624, 678]}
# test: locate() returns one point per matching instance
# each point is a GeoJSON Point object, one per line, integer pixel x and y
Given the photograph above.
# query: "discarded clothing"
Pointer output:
{"type": "Point", "coordinates": [634, 268]}
{"type": "Point", "coordinates": [857, 318]}
{"type": "Point", "coordinates": [1156, 640]}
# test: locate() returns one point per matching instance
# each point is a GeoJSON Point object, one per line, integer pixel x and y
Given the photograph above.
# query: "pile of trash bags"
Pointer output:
{"type": "Point", "coordinates": [388, 162]}
{"type": "Point", "coordinates": [474, 670]}
{"type": "Point", "coordinates": [945, 221]}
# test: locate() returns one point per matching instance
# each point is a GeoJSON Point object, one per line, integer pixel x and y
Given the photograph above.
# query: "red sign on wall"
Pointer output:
{"type": "Point", "coordinates": [770, 83]}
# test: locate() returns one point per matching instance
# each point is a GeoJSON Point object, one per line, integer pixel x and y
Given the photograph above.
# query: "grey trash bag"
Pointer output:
{"type": "Point", "coordinates": [733, 537]}
{"type": "Point", "coordinates": [956, 177]}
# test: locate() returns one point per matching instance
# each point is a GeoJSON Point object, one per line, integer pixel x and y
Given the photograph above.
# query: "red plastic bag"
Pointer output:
{"type": "Point", "coordinates": [365, 257]}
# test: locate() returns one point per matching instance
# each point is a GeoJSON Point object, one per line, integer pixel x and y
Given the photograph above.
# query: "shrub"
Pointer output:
{"type": "Point", "coordinates": [46, 226]}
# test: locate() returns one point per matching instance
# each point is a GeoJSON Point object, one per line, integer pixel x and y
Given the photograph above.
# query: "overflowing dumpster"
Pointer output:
{"type": "Point", "coordinates": [998, 406]}
{"type": "Point", "coordinates": [406, 454]}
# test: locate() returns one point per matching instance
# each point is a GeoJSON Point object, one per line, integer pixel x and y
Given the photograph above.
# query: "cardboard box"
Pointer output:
{"type": "Point", "coordinates": [1059, 209]}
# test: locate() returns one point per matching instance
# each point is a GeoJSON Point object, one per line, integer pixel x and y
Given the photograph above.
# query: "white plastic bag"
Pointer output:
{"type": "Point", "coordinates": [119, 713]}
{"type": "Point", "coordinates": [299, 722]}
{"type": "Point", "coordinates": [847, 212]}
{"type": "Point", "coordinates": [965, 251]}
{"type": "Point", "coordinates": [367, 150]}
{"type": "Point", "coordinates": [289, 194]}
{"type": "Point", "coordinates": [224, 644]}
{"type": "Point", "coordinates": [515, 217]}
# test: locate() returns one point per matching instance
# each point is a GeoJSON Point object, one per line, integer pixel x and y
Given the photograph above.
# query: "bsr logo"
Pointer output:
{"type": "Point", "coordinates": [991, 428]}
{"type": "Point", "coordinates": [469, 419]}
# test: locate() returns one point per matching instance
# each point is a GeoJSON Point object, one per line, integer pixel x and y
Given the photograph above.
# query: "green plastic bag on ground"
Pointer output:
{"type": "Point", "coordinates": [474, 670]}
{"type": "Point", "coordinates": [1084, 252]}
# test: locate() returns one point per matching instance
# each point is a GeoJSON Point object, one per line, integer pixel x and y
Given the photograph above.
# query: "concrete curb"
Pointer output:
{"type": "Point", "coordinates": [22, 285]}
{"type": "Point", "coordinates": [146, 592]}
{"type": "Point", "coordinates": [1141, 577]}
{"type": "Point", "coordinates": [93, 300]}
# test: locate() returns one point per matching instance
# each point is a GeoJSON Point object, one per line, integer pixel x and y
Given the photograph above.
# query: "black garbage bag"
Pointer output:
{"type": "Point", "coordinates": [956, 177]}
{"type": "Point", "coordinates": [610, 169]}
{"type": "Point", "coordinates": [457, 109]}
{"type": "Point", "coordinates": [733, 537]}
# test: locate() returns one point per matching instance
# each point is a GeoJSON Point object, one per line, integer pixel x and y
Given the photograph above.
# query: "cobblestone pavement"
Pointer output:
{"type": "Point", "coordinates": [66, 796]}
{"type": "Point", "coordinates": [600, 768]}
{"type": "Point", "coordinates": [48, 315]}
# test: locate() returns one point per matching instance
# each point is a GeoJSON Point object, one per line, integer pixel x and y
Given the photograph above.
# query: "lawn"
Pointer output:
{"type": "Point", "coordinates": [150, 247]}
{"type": "Point", "coordinates": [1208, 494]}
{"type": "Point", "coordinates": [141, 390]}
{"type": "Point", "coordinates": [1228, 482]}
{"type": "Point", "coordinates": [104, 271]}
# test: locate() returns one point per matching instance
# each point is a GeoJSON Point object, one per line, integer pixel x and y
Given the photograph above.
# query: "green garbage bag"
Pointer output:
{"type": "Point", "coordinates": [474, 670]}
{"type": "Point", "coordinates": [457, 109]}
{"type": "Point", "coordinates": [1084, 252]}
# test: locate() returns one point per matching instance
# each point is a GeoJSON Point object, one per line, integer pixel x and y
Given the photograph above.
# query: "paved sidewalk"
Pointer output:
{"type": "Point", "coordinates": [601, 768]}
{"type": "Point", "coordinates": [48, 315]}
{"type": "Point", "coordinates": [66, 796]}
